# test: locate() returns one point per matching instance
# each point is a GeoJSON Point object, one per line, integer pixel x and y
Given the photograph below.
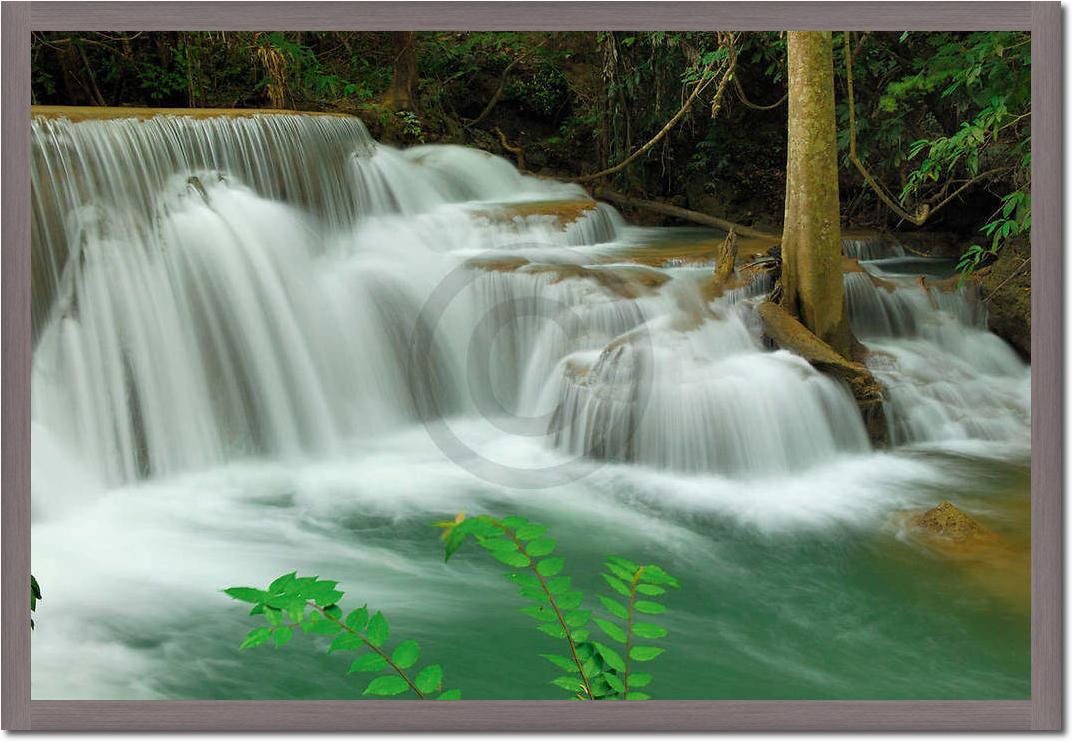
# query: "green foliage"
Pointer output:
{"type": "Point", "coordinates": [992, 71]}
{"type": "Point", "coordinates": [541, 93]}
{"type": "Point", "coordinates": [311, 605]}
{"type": "Point", "coordinates": [1012, 220]}
{"type": "Point", "coordinates": [945, 114]}
{"type": "Point", "coordinates": [594, 669]}
{"type": "Point", "coordinates": [411, 125]}
{"type": "Point", "coordinates": [313, 77]}
{"type": "Point", "coordinates": [35, 595]}
{"type": "Point", "coordinates": [940, 115]}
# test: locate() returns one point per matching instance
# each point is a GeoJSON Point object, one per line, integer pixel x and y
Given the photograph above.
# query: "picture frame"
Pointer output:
{"type": "Point", "coordinates": [1043, 712]}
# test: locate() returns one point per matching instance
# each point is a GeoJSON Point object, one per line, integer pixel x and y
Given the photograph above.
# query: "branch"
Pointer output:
{"type": "Point", "coordinates": [919, 219]}
{"type": "Point", "coordinates": [925, 211]}
{"type": "Point", "coordinates": [701, 84]}
{"type": "Point", "coordinates": [629, 630]}
{"type": "Point", "coordinates": [1011, 275]}
{"type": "Point", "coordinates": [681, 213]}
{"type": "Point", "coordinates": [755, 106]}
{"type": "Point", "coordinates": [502, 86]}
{"type": "Point", "coordinates": [971, 181]}
{"type": "Point", "coordinates": [398, 670]}
{"type": "Point", "coordinates": [554, 606]}
{"type": "Point", "coordinates": [516, 151]}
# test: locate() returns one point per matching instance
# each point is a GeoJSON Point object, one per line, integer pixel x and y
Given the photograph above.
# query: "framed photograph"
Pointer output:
{"type": "Point", "coordinates": [532, 366]}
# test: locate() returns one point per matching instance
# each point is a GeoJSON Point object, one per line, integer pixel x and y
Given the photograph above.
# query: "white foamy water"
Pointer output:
{"type": "Point", "coordinates": [260, 343]}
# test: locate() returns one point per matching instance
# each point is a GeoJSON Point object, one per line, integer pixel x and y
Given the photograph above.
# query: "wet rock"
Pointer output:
{"type": "Point", "coordinates": [497, 265]}
{"type": "Point", "coordinates": [562, 213]}
{"type": "Point", "coordinates": [625, 281]}
{"type": "Point", "coordinates": [947, 521]}
{"type": "Point", "coordinates": [786, 332]}
{"type": "Point", "coordinates": [726, 259]}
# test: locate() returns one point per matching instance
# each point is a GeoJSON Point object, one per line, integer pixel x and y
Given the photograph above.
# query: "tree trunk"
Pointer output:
{"type": "Point", "coordinates": [811, 239]}
{"type": "Point", "coordinates": [402, 93]}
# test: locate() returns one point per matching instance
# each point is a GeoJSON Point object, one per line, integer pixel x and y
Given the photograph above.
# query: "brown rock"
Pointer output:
{"type": "Point", "coordinates": [626, 281]}
{"type": "Point", "coordinates": [1007, 291]}
{"type": "Point", "coordinates": [726, 259]}
{"type": "Point", "coordinates": [563, 213]}
{"type": "Point", "coordinates": [500, 265]}
{"type": "Point", "coordinates": [947, 521]}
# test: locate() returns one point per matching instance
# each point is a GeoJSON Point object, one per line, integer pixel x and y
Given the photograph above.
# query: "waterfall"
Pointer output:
{"type": "Point", "coordinates": [271, 343]}
{"type": "Point", "coordinates": [871, 248]}
{"type": "Point", "coordinates": [212, 290]}
{"type": "Point", "coordinates": [947, 378]}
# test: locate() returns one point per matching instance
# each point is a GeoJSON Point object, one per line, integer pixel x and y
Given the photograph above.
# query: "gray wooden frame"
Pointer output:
{"type": "Point", "coordinates": [1044, 711]}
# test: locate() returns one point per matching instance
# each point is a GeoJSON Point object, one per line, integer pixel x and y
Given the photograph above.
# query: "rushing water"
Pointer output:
{"type": "Point", "coordinates": [270, 343]}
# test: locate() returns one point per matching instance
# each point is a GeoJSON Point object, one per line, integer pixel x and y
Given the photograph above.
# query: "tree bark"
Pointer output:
{"type": "Point", "coordinates": [811, 239]}
{"type": "Point", "coordinates": [402, 93]}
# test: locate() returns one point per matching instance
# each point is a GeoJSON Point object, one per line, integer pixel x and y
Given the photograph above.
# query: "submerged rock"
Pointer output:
{"type": "Point", "coordinates": [947, 521]}
{"type": "Point", "coordinates": [562, 213]}
{"type": "Point", "coordinates": [625, 281]}
{"type": "Point", "coordinates": [789, 334]}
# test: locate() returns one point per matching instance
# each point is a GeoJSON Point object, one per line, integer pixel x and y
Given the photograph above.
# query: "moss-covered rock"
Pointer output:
{"type": "Point", "coordinates": [947, 521]}
{"type": "Point", "coordinates": [1007, 293]}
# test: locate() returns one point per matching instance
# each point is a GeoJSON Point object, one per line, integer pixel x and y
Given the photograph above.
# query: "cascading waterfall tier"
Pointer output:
{"type": "Point", "coordinates": [211, 290]}
{"type": "Point", "coordinates": [948, 379]}
{"type": "Point", "coordinates": [871, 248]}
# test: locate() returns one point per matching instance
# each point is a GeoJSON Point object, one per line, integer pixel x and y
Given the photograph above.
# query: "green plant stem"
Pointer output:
{"type": "Point", "coordinates": [554, 606]}
{"type": "Point", "coordinates": [398, 670]}
{"type": "Point", "coordinates": [629, 631]}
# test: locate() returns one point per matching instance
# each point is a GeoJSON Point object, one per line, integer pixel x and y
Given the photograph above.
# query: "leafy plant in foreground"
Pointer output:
{"type": "Point", "coordinates": [35, 595]}
{"type": "Point", "coordinates": [594, 670]}
{"type": "Point", "coordinates": [310, 604]}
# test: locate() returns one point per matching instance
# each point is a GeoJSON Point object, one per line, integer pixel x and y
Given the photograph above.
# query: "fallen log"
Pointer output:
{"type": "Point", "coordinates": [681, 213]}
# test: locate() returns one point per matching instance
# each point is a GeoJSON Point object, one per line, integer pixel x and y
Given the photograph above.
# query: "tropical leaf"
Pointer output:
{"type": "Point", "coordinates": [429, 679]}
{"type": "Point", "coordinates": [386, 686]}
